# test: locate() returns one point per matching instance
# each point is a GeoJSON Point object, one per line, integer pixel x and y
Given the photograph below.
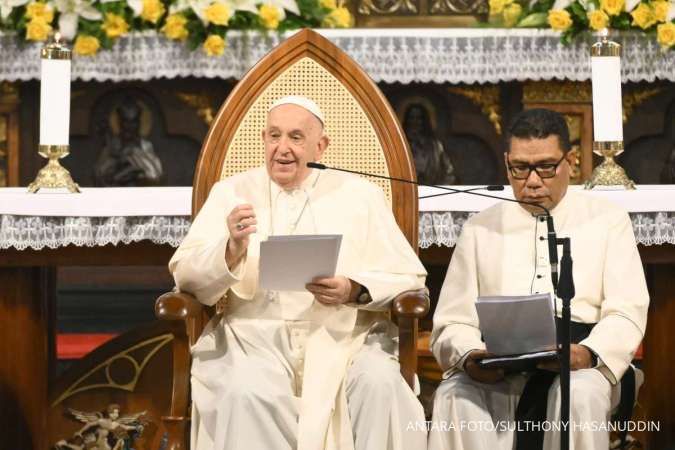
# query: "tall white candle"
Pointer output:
{"type": "Point", "coordinates": [55, 96]}
{"type": "Point", "coordinates": [607, 109]}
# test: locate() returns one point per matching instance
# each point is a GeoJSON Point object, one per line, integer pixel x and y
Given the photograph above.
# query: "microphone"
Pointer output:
{"type": "Point", "coordinates": [552, 238]}
{"type": "Point", "coordinates": [552, 251]}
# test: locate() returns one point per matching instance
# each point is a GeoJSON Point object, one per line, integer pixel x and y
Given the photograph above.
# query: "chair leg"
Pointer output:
{"type": "Point", "coordinates": [408, 348]}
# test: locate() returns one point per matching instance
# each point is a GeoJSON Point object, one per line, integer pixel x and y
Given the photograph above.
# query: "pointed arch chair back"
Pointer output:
{"type": "Point", "coordinates": [363, 129]}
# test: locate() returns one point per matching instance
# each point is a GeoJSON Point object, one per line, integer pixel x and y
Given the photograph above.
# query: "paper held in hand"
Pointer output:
{"type": "Point", "coordinates": [288, 263]}
{"type": "Point", "coordinates": [519, 331]}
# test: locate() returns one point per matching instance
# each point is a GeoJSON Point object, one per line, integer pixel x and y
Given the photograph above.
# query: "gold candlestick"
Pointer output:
{"type": "Point", "coordinates": [53, 175]}
{"type": "Point", "coordinates": [609, 173]}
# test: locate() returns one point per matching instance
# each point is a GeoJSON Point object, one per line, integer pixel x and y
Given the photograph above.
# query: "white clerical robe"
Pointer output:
{"type": "Point", "coordinates": [298, 359]}
{"type": "Point", "coordinates": [503, 251]}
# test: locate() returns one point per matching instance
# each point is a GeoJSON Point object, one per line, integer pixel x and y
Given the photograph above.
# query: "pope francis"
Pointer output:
{"type": "Point", "coordinates": [298, 370]}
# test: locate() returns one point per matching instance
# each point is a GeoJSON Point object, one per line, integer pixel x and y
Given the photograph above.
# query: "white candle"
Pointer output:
{"type": "Point", "coordinates": [54, 101]}
{"type": "Point", "coordinates": [607, 112]}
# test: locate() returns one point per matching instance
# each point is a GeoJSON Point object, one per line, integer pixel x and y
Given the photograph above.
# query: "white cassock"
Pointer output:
{"type": "Point", "coordinates": [280, 370]}
{"type": "Point", "coordinates": [503, 251]}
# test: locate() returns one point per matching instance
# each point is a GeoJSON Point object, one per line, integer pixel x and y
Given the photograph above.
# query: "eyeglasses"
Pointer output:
{"type": "Point", "coordinates": [523, 171]}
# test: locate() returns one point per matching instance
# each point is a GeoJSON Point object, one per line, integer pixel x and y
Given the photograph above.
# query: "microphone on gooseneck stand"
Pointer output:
{"type": "Point", "coordinates": [551, 234]}
{"type": "Point", "coordinates": [552, 238]}
{"type": "Point", "coordinates": [315, 165]}
{"type": "Point", "coordinates": [492, 187]}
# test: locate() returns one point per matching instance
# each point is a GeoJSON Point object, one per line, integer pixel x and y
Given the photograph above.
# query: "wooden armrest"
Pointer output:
{"type": "Point", "coordinates": [411, 304]}
{"type": "Point", "coordinates": [177, 306]}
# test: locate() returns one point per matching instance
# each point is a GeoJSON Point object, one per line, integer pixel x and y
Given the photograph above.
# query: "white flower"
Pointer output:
{"type": "Point", "coordinates": [179, 6]}
{"type": "Point", "coordinates": [244, 5]}
{"type": "Point", "coordinates": [136, 6]}
{"type": "Point", "coordinates": [71, 10]}
{"type": "Point", "coordinates": [631, 4]}
{"type": "Point", "coordinates": [288, 5]}
{"type": "Point", "coordinates": [6, 7]}
{"type": "Point", "coordinates": [561, 4]}
{"type": "Point", "coordinates": [671, 12]}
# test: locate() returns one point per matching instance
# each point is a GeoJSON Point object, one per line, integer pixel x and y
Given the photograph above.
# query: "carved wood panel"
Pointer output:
{"type": "Point", "coordinates": [418, 13]}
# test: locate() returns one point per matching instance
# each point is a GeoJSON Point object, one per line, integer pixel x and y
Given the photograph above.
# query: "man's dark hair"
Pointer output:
{"type": "Point", "coordinates": [539, 123]}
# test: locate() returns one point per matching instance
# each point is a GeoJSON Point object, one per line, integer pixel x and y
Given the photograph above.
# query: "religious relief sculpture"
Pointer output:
{"type": "Point", "coordinates": [387, 7]}
{"type": "Point", "coordinates": [458, 6]}
{"type": "Point", "coordinates": [110, 432]}
{"type": "Point", "coordinates": [127, 158]}
{"type": "Point", "coordinates": [432, 163]}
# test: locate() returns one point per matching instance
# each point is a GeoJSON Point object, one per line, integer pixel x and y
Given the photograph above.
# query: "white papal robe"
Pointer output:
{"type": "Point", "coordinates": [503, 251]}
{"type": "Point", "coordinates": [280, 370]}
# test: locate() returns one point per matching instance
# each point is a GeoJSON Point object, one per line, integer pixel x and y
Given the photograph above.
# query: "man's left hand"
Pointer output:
{"type": "Point", "coordinates": [580, 358]}
{"type": "Point", "coordinates": [333, 291]}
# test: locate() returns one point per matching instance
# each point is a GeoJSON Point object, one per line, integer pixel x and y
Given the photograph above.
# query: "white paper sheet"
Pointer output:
{"type": "Point", "coordinates": [288, 263]}
{"type": "Point", "coordinates": [512, 325]}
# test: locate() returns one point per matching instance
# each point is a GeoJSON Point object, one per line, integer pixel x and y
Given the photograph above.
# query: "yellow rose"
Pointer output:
{"type": "Point", "coordinates": [512, 14]}
{"type": "Point", "coordinates": [559, 19]}
{"type": "Point", "coordinates": [214, 45]}
{"type": "Point", "coordinates": [152, 10]}
{"type": "Point", "coordinates": [598, 19]}
{"type": "Point", "coordinates": [42, 11]}
{"type": "Point", "coordinates": [37, 30]}
{"type": "Point", "coordinates": [174, 28]}
{"type": "Point", "coordinates": [665, 35]}
{"type": "Point", "coordinates": [218, 13]}
{"type": "Point", "coordinates": [86, 45]}
{"type": "Point", "coordinates": [497, 6]}
{"type": "Point", "coordinates": [661, 9]}
{"type": "Point", "coordinates": [328, 4]}
{"type": "Point", "coordinates": [643, 16]}
{"type": "Point", "coordinates": [339, 18]}
{"type": "Point", "coordinates": [270, 16]}
{"type": "Point", "coordinates": [114, 25]}
{"type": "Point", "coordinates": [612, 7]}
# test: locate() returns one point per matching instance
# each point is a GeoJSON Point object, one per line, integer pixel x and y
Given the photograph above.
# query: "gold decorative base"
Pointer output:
{"type": "Point", "coordinates": [53, 175]}
{"type": "Point", "coordinates": [609, 173]}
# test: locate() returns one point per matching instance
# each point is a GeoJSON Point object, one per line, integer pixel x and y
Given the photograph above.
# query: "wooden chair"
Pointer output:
{"type": "Point", "coordinates": [365, 135]}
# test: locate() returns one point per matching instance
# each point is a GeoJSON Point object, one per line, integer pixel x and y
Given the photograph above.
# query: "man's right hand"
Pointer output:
{"type": "Point", "coordinates": [241, 222]}
{"type": "Point", "coordinates": [478, 373]}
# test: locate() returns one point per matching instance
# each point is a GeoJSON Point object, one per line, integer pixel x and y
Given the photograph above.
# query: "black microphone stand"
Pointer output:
{"type": "Point", "coordinates": [566, 293]}
{"type": "Point", "coordinates": [562, 288]}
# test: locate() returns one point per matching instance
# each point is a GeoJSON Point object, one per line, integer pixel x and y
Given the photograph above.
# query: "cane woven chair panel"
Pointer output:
{"type": "Point", "coordinates": [353, 142]}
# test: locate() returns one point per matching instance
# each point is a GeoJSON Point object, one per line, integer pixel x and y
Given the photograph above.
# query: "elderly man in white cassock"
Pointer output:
{"type": "Point", "coordinates": [503, 251]}
{"type": "Point", "coordinates": [299, 370]}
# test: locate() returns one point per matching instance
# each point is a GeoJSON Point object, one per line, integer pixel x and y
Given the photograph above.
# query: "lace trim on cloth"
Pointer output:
{"type": "Point", "coordinates": [435, 228]}
{"type": "Point", "coordinates": [22, 232]}
{"type": "Point", "coordinates": [396, 55]}
{"type": "Point", "coordinates": [443, 228]}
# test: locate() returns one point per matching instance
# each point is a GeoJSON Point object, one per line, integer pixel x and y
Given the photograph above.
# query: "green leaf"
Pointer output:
{"type": "Point", "coordinates": [542, 6]}
{"type": "Point", "coordinates": [621, 22]}
{"type": "Point", "coordinates": [579, 11]}
{"type": "Point", "coordinates": [534, 20]}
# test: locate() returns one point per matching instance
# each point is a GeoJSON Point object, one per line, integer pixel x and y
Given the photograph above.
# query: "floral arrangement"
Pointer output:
{"type": "Point", "coordinates": [96, 24]}
{"type": "Point", "coordinates": [572, 17]}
